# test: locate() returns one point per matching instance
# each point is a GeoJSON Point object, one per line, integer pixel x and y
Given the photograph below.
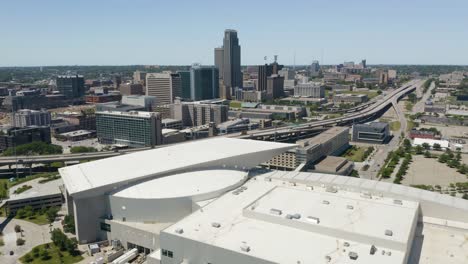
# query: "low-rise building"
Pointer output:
{"type": "Point", "coordinates": [169, 123]}
{"type": "Point", "coordinates": [236, 125]}
{"type": "Point", "coordinates": [373, 133]}
{"type": "Point", "coordinates": [333, 141]}
{"type": "Point", "coordinates": [309, 90]}
{"type": "Point", "coordinates": [39, 195]}
{"type": "Point", "coordinates": [76, 135]}
{"type": "Point", "coordinates": [199, 113]}
{"type": "Point", "coordinates": [102, 98]}
{"type": "Point", "coordinates": [15, 136]}
{"type": "Point", "coordinates": [334, 165]}
{"type": "Point", "coordinates": [350, 98]}
{"type": "Point", "coordinates": [443, 144]}
{"type": "Point", "coordinates": [414, 133]}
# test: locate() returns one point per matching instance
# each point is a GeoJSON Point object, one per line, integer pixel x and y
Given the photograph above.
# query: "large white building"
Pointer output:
{"type": "Point", "coordinates": [309, 90]}
{"type": "Point", "coordinates": [205, 202]}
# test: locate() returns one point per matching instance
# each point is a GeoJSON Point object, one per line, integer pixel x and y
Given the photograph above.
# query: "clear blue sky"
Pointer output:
{"type": "Point", "coordinates": [122, 32]}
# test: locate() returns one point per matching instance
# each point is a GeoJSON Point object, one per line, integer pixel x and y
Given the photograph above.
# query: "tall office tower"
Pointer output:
{"type": "Point", "coordinates": [136, 129]}
{"type": "Point", "coordinates": [26, 117]}
{"type": "Point", "coordinates": [364, 64]}
{"type": "Point", "coordinates": [314, 69]}
{"type": "Point", "coordinates": [165, 86]}
{"type": "Point", "coordinates": [230, 63]}
{"type": "Point", "coordinates": [219, 61]}
{"type": "Point", "coordinates": [71, 86]}
{"type": "Point", "coordinates": [264, 71]}
{"type": "Point", "coordinates": [185, 83]}
{"type": "Point", "coordinates": [204, 82]}
{"type": "Point", "coordinates": [275, 87]}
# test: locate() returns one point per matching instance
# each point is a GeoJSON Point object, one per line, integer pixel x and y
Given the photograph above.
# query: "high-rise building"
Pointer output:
{"type": "Point", "coordinates": [136, 129]}
{"type": "Point", "coordinates": [275, 87]}
{"type": "Point", "coordinates": [139, 77]}
{"type": "Point", "coordinates": [364, 64]}
{"type": "Point", "coordinates": [165, 86]}
{"type": "Point", "coordinates": [14, 137]}
{"type": "Point", "coordinates": [71, 86]}
{"type": "Point", "coordinates": [204, 82]}
{"type": "Point", "coordinates": [264, 71]}
{"type": "Point", "coordinates": [314, 69]}
{"type": "Point", "coordinates": [26, 117]}
{"type": "Point", "coordinates": [185, 83]}
{"type": "Point", "coordinates": [219, 61]}
{"type": "Point", "coordinates": [230, 63]}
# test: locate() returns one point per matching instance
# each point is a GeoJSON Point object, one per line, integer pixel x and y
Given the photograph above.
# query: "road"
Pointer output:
{"type": "Point", "coordinates": [419, 106]}
{"type": "Point", "coordinates": [382, 151]}
{"type": "Point", "coordinates": [369, 111]}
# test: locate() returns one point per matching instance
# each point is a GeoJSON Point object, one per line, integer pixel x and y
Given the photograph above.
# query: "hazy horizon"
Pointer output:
{"type": "Point", "coordinates": [145, 32]}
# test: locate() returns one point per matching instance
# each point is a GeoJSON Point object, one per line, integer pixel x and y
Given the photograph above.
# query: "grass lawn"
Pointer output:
{"type": "Point", "coordinates": [235, 104]}
{"type": "Point", "coordinates": [37, 218]}
{"type": "Point", "coordinates": [410, 125]}
{"type": "Point", "coordinates": [409, 106]}
{"type": "Point", "coordinates": [3, 188]}
{"type": "Point", "coordinates": [56, 256]}
{"type": "Point", "coordinates": [395, 125]}
{"type": "Point", "coordinates": [355, 154]}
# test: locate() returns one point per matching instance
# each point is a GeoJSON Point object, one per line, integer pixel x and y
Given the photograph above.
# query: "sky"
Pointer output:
{"type": "Point", "coordinates": [182, 32]}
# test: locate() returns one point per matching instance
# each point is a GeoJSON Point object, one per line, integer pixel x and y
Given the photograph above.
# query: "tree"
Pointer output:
{"type": "Point", "coordinates": [458, 156]}
{"type": "Point", "coordinates": [427, 154]}
{"type": "Point", "coordinates": [437, 146]}
{"type": "Point", "coordinates": [71, 245]}
{"type": "Point", "coordinates": [419, 150]}
{"type": "Point", "coordinates": [28, 258]}
{"type": "Point", "coordinates": [443, 158]}
{"type": "Point", "coordinates": [59, 238]}
{"type": "Point", "coordinates": [52, 214]}
{"type": "Point", "coordinates": [36, 252]}
{"type": "Point", "coordinates": [407, 144]}
{"type": "Point", "coordinates": [20, 242]}
{"type": "Point", "coordinates": [426, 146]}
{"type": "Point", "coordinates": [69, 224]}
{"type": "Point", "coordinates": [45, 254]}
{"type": "Point", "coordinates": [21, 213]}
{"type": "Point", "coordinates": [34, 148]}
{"type": "Point", "coordinates": [17, 228]}
{"type": "Point", "coordinates": [82, 149]}
{"type": "Point", "coordinates": [29, 212]}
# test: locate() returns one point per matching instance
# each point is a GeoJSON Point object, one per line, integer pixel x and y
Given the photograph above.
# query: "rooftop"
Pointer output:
{"type": "Point", "coordinates": [38, 189]}
{"type": "Point", "coordinates": [332, 224]}
{"type": "Point", "coordinates": [92, 178]}
{"type": "Point", "coordinates": [189, 184]}
{"type": "Point", "coordinates": [128, 114]}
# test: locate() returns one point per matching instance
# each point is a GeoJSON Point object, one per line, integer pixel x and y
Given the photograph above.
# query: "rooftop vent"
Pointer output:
{"type": "Point", "coordinates": [216, 225]}
{"type": "Point", "coordinates": [399, 202]}
{"type": "Point", "coordinates": [275, 211]}
{"type": "Point", "coordinates": [373, 249]}
{"type": "Point", "coordinates": [327, 258]}
{"type": "Point", "coordinates": [331, 189]}
{"type": "Point", "coordinates": [179, 231]}
{"type": "Point", "coordinates": [353, 255]}
{"type": "Point", "coordinates": [388, 232]}
{"type": "Point", "coordinates": [313, 219]}
{"type": "Point", "coordinates": [289, 216]}
{"type": "Point", "coordinates": [366, 195]}
{"type": "Point", "coordinates": [325, 202]}
{"type": "Point", "coordinates": [244, 247]}
{"type": "Point", "coordinates": [350, 207]}
{"type": "Point", "coordinates": [310, 188]}
{"type": "Point", "coordinates": [296, 216]}
{"type": "Point", "coordinates": [346, 244]}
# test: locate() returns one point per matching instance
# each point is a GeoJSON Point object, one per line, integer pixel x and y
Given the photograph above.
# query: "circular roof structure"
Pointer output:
{"type": "Point", "coordinates": [190, 184]}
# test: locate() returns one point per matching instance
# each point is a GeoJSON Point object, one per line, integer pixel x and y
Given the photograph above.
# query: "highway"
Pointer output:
{"type": "Point", "coordinates": [371, 110]}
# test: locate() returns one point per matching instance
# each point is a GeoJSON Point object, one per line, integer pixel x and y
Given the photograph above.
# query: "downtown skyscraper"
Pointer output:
{"type": "Point", "coordinates": [228, 61]}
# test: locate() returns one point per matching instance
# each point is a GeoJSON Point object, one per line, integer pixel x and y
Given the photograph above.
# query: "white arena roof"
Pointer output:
{"type": "Point", "coordinates": [299, 224]}
{"type": "Point", "coordinates": [94, 178]}
{"type": "Point", "coordinates": [189, 184]}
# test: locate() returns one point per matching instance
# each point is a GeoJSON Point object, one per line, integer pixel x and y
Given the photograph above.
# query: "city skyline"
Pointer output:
{"type": "Point", "coordinates": [155, 33]}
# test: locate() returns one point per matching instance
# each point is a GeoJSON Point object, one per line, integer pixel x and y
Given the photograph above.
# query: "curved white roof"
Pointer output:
{"type": "Point", "coordinates": [97, 177]}
{"type": "Point", "coordinates": [185, 184]}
